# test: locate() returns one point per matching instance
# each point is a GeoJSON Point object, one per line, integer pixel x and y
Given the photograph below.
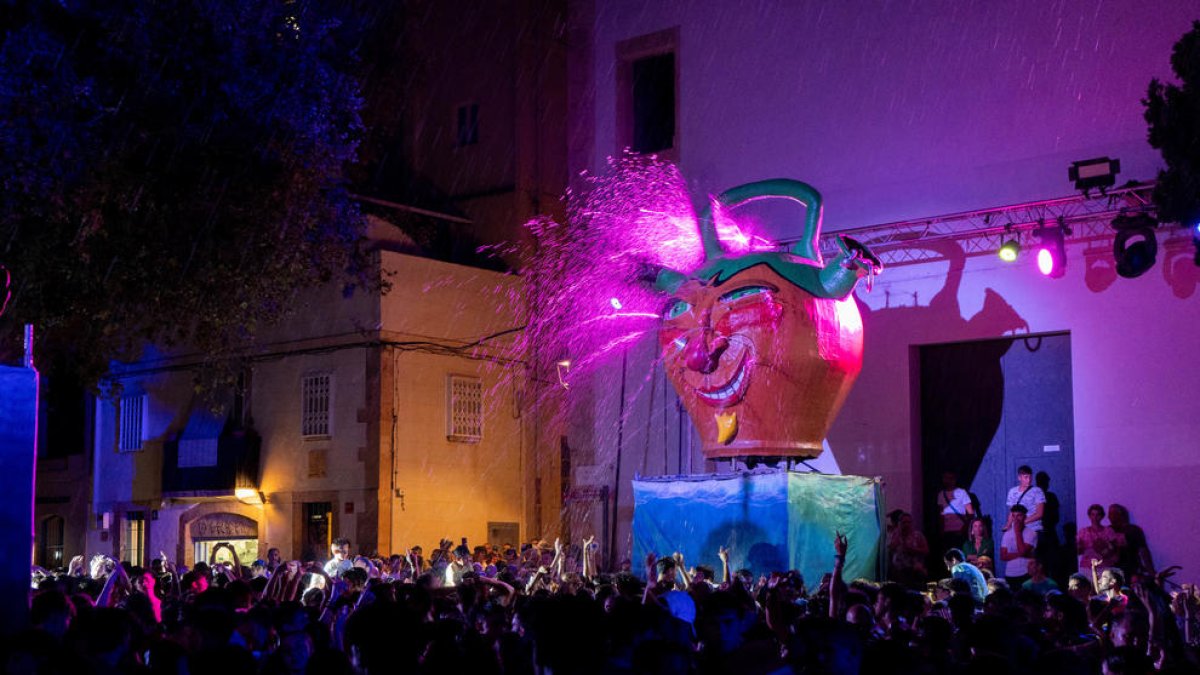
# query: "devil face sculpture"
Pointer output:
{"type": "Point", "coordinates": [763, 348]}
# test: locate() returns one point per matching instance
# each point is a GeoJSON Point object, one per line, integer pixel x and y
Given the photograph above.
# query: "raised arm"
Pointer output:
{"type": "Point", "coordinates": [837, 586]}
{"type": "Point", "coordinates": [679, 566]}
{"type": "Point", "coordinates": [557, 563]}
{"type": "Point", "coordinates": [588, 564]}
{"type": "Point", "coordinates": [648, 595]}
{"type": "Point", "coordinates": [117, 580]}
{"type": "Point", "coordinates": [726, 575]}
{"type": "Point", "coordinates": [508, 592]}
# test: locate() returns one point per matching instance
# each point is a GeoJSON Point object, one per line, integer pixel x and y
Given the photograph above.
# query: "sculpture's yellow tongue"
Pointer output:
{"type": "Point", "coordinates": [727, 426]}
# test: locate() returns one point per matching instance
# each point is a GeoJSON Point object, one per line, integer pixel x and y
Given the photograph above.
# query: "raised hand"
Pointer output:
{"type": "Point", "coordinates": [840, 544]}
{"type": "Point", "coordinates": [589, 541]}
{"type": "Point", "coordinates": [723, 554]}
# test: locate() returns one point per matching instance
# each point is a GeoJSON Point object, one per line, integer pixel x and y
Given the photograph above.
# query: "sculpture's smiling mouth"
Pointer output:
{"type": "Point", "coordinates": [732, 390]}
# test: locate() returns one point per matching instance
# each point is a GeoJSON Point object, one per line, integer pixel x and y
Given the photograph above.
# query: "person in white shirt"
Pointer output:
{"type": "Point", "coordinates": [1029, 496]}
{"type": "Point", "coordinates": [957, 511]}
{"type": "Point", "coordinates": [1017, 547]}
{"type": "Point", "coordinates": [340, 562]}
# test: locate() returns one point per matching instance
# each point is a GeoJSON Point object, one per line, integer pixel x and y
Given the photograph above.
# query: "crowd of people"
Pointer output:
{"type": "Point", "coordinates": [548, 608]}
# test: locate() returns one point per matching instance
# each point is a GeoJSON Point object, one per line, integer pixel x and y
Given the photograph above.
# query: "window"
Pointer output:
{"type": "Point", "coordinates": [464, 409]}
{"type": "Point", "coordinates": [647, 93]}
{"type": "Point", "coordinates": [133, 410]}
{"type": "Point", "coordinates": [133, 538]}
{"type": "Point", "coordinates": [315, 406]}
{"type": "Point", "coordinates": [468, 125]}
{"type": "Point", "coordinates": [51, 549]}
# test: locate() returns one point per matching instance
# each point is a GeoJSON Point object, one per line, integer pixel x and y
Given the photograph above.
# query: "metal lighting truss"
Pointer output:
{"type": "Point", "coordinates": [1086, 217]}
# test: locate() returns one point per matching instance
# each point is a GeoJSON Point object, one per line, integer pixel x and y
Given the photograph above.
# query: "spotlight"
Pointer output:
{"type": "Point", "coordinates": [1100, 172]}
{"type": "Point", "coordinates": [1052, 251]}
{"type": "Point", "coordinates": [1008, 250]}
{"type": "Point", "coordinates": [1136, 258]}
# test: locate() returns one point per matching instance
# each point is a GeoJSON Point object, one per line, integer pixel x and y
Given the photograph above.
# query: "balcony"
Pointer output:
{"type": "Point", "coordinates": [212, 457]}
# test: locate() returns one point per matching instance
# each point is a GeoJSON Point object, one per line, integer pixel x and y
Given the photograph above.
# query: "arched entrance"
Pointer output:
{"type": "Point", "coordinates": [210, 524]}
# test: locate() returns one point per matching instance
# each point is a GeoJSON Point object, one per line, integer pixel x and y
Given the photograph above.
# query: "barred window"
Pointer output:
{"type": "Point", "coordinates": [315, 406]}
{"type": "Point", "coordinates": [133, 409]}
{"type": "Point", "coordinates": [464, 409]}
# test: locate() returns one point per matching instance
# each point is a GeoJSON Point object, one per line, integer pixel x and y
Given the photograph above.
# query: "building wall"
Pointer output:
{"type": "Point", "coordinates": [296, 469]}
{"type": "Point", "coordinates": [924, 109]}
{"type": "Point", "coordinates": [63, 490]}
{"type": "Point", "coordinates": [508, 58]}
{"type": "Point", "coordinates": [445, 488]}
{"type": "Point", "coordinates": [389, 358]}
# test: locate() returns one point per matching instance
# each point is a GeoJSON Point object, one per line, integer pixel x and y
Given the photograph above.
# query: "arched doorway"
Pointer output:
{"type": "Point", "coordinates": [208, 527]}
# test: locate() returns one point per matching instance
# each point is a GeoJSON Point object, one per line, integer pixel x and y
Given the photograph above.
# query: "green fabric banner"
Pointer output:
{"type": "Point", "coordinates": [820, 505]}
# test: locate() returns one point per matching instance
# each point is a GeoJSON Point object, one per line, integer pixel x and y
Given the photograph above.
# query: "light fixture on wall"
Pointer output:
{"type": "Point", "coordinates": [561, 366]}
{"type": "Point", "coordinates": [248, 495]}
{"type": "Point", "coordinates": [1052, 250]}
{"type": "Point", "coordinates": [1135, 246]}
{"type": "Point", "coordinates": [1100, 172]}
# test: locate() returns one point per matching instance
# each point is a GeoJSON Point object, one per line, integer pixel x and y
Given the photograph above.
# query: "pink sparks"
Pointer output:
{"type": "Point", "coordinates": [734, 236]}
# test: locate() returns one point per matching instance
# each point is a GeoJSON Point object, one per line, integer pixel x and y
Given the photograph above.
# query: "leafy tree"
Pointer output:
{"type": "Point", "coordinates": [1173, 113]}
{"type": "Point", "coordinates": [173, 171]}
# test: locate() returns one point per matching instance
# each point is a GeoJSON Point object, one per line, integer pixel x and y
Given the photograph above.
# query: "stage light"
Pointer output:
{"type": "Point", "coordinates": [1136, 258]}
{"type": "Point", "coordinates": [1052, 250]}
{"type": "Point", "coordinates": [1009, 250]}
{"type": "Point", "coordinates": [1100, 172]}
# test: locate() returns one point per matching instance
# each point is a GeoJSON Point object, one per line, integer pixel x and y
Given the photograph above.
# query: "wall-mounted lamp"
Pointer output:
{"type": "Point", "coordinates": [563, 365]}
{"type": "Point", "coordinates": [250, 496]}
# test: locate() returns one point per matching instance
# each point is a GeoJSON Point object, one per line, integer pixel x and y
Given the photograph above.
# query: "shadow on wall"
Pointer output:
{"type": "Point", "coordinates": [864, 436]}
{"type": "Point", "coordinates": [1176, 262]}
{"type": "Point", "coordinates": [762, 556]}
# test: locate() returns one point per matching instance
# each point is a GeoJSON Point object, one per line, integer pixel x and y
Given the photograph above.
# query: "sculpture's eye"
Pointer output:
{"type": "Point", "coordinates": [677, 309]}
{"type": "Point", "coordinates": [743, 292]}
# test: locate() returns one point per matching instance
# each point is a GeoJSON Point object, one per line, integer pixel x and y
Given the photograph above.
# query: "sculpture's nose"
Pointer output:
{"type": "Point", "coordinates": [704, 352]}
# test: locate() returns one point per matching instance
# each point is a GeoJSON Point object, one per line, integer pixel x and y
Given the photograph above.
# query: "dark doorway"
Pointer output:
{"type": "Point", "coordinates": [317, 517]}
{"type": "Point", "coordinates": [986, 408]}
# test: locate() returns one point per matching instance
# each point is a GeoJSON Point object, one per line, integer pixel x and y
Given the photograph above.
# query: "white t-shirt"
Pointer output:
{"type": "Point", "coordinates": [1030, 499]}
{"type": "Point", "coordinates": [1017, 567]}
{"type": "Point", "coordinates": [334, 568]}
{"type": "Point", "coordinates": [957, 506]}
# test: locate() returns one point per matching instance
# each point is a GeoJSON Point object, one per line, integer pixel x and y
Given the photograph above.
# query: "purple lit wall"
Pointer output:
{"type": "Point", "coordinates": [904, 109]}
{"type": "Point", "coordinates": [18, 450]}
